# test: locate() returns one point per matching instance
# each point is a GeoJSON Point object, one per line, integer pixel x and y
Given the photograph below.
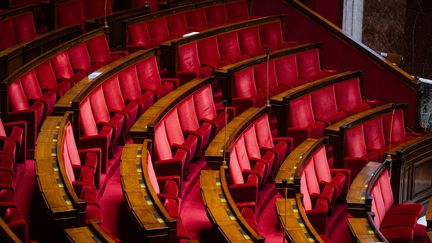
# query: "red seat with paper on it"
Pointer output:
{"type": "Point", "coordinates": [272, 37]}
{"type": "Point", "coordinates": [250, 42]}
{"type": "Point", "coordinates": [229, 47]}
{"type": "Point", "coordinates": [189, 64]}
{"type": "Point", "coordinates": [150, 80]}
{"type": "Point", "coordinates": [349, 97]}
{"type": "Point", "coordinates": [325, 107]}
{"type": "Point", "coordinates": [245, 90]}
{"type": "Point", "coordinates": [309, 65]}
{"type": "Point", "coordinates": [287, 72]}
{"type": "Point", "coordinates": [301, 120]}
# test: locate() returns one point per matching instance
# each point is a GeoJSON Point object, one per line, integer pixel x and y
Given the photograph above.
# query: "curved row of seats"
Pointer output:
{"type": "Point", "coordinates": [31, 93]}
{"type": "Point", "coordinates": [150, 32]}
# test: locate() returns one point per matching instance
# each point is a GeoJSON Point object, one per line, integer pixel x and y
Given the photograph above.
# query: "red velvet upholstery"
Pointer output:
{"type": "Point", "coordinates": [158, 30]}
{"type": "Point", "coordinates": [70, 13]}
{"type": "Point", "coordinates": [309, 65]}
{"type": "Point", "coordinates": [169, 184]}
{"type": "Point", "coordinates": [148, 73]}
{"type": "Point", "coordinates": [287, 72]}
{"type": "Point", "coordinates": [63, 69]}
{"type": "Point", "coordinates": [216, 15]}
{"type": "Point", "coordinates": [80, 59]}
{"type": "Point", "coordinates": [374, 137]}
{"type": "Point", "coordinates": [238, 10]}
{"type": "Point", "coordinates": [229, 47]}
{"type": "Point", "coordinates": [261, 79]}
{"type": "Point", "coordinates": [189, 64]}
{"type": "Point", "coordinates": [250, 42]}
{"type": "Point", "coordinates": [197, 20]}
{"type": "Point", "coordinates": [209, 53]}
{"type": "Point", "coordinates": [97, 8]}
{"type": "Point", "coordinates": [271, 36]}
{"type": "Point", "coordinates": [8, 37]}
{"type": "Point", "coordinates": [33, 92]}
{"type": "Point", "coordinates": [325, 107]}
{"type": "Point", "coordinates": [24, 27]}
{"type": "Point", "coordinates": [48, 80]}
{"type": "Point", "coordinates": [100, 52]}
{"type": "Point", "coordinates": [177, 25]}
{"type": "Point", "coordinates": [13, 140]}
{"type": "Point", "coordinates": [246, 93]}
{"type": "Point", "coordinates": [348, 97]}
{"type": "Point", "coordinates": [398, 135]}
{"type": "Point", "coordinates": [301, 120]}
{"type": "Point", "coordinates": [139, 37]}
{"type": "Point", "coordinates": [258, 169]}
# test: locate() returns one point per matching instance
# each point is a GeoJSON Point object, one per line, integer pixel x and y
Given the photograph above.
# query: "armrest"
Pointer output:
{"type": "Point", "coordinates": [177, 146]}
{"type": "Point", "coordinates": [185, 76]}
{"type": "Point", "coordinates": [9, 204]}
{"type": "Point", "coordinates": [169, 167]}
{"type": "Point", "coordinates": [166, 196]}
{"type": "Point", "coordinates": [318, 217]}
{"type": "Point", "coordinates": [174, 81]}
{"type": "Point", "coordinates": [114, 111]}
{"type": "Point", "coordinates": [247, 172]}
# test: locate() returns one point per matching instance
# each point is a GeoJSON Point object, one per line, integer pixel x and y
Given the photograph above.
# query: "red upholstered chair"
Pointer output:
{"type": "Point", "coordinates": [34, 93]}
{"type": "Point", "coordinates": [86, 160]}
{"type": "Point", "coordinates": [238, 10]}
{"type": "Point", "coordinates": [164, 186]}
{"type": "Point", "coordinates": [249, 215]}
{"type": "Point", "coordinates": [337, 178]}
{"type": "Point", "coordinates": [70, 13]}
{"type": "Point", "coordinates": [63, 69]}
{"type": "Point", "coordinates": [168, 162]}
{"type": "Point", "coordinates": [93, 136]}
{"type": "Point", "coordinates": [245, 92]}
{"type": "Point", "coordinates": [189, 64]}
{"type": "Point", "coordinates": [172, 208]}
{"type": "Point", "coordinates": [279, 146]}
{"type": "Point", "coordinates": [271, 37]}
{"type": "Point", "coordinates": [254, 151]}
{"type": "Point", "coordinates": [98, 8]}
{"type": "Point", "coordinates": [244, 192]}
{"type": "Point", "coordinates": [8, 34]}
{"type": "Point", "coordinates": [398, 135]}
{"type": "Point", "coordinates": [356, 154]}
{"type": "Point", "coordinates": [80, 59]}
{"type": "Point", "coordinates": [325, 107]}
{"type": "Point", "coordinates": [48, 80]}
{"type": "Point", "coordinates": [24, 27]}
{"type": "Point", "coordinates": [349, 99]}
{"type": "Point", "coordinates": [229, 47]}
{"type": "Point", "coordinates": [287, 73]}
{"type": "Point", "coordinates": [316, 208]}
{"type": "Point", "coordinates": [250, 42]}
{"type": "Point", "coordinates": [209, 54]}
{"type": "Point", "coordinates": [176, 138]}
{"type": "Point", "coordinates": [158, 30]}
{"type": "Point", "coordinates": [148, 73]}
{"type": "Point", "coordinates": [20, 110]}
{"type": "Point", "coordinates": [116, 103]}
{"type": "Point", "coordinates": [197, 20]}
{"type": "Point", "coordinates": [396, 222]}
{"type": "Point", "coordinates": [13, 140]}
{"type": "Point", "coordinates": [301, 120]}
{"type": "Point", "coordinates": [131, 89]}
{"type": "Point", "coordinates": [177, 24]}
{"type": "Point", "coordinates": [207, 112]}
{"type": "Point", "coordinates": [258, 169]}
{"type": "Point", "coordinates": [14, 220]}
{"type": "Point", "coordinates": [190, 123]}
{"type": "Point", "coordinates": [274, 87]}
{"type": "Point", "coordinates": [310, 67]}
{"type": "Point", "coordinates": [139, 37]}
{"type": "Point", "coordinates": [100, 52]}
{"type": "Point", "coordinates": [374, 137]}
{"type": "Point", "coordinates": [216, 15]}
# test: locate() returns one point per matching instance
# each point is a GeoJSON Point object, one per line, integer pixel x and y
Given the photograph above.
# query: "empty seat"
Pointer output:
{"type": "Point", "coordinates": [238, 10]}
{"type": "Point", "coordinates": [14, 220]}
{"type": "Point", "coordinates": [197, 20]}
{"type": "Point", "coordinates": [158, 30]}
{"type": "Point", "coordinates": [70, 13]}
{"type": "Point", "coordinates": [139, 37]}
{"type": "Point", "coordinates": [164, 186]}
{"type": "Point", "coordinates": [325, 107]}
{"type": "Point", "coordinates": [189, 64]}
{"type": "Point", "coordinates": [216, 15]}
{"type": "Point", "coordinates": [349, 97]}
{"type": "Point", "coordinates": [229, 47]}
{"type": "Point", "coordinates": [261, 73]}
{"type": "Point", "coordinates": [97, 8]}
{"type": "Point", "coordinates": [63, 69]}
{"type": "Point", "coordinates": [398, 133]}
{"type": "Point", "coordinates": [309, 65]}
{"type": "Point", "coordinates": [80, 59]}
{"type": "Point", "coordinates": [48, 80]}
{"type": "Point", "coordinates": [271, 36]}
{"type": "Point", "coordinates": [100, 52]}
{"type": "Point", "coordinates": [209, 53]}
{"type": "Point", "coordinates": [13, 140]}
{"type": "Point", "coordinates": [258, 169]}
{"type": "Point", "coordinates": [250, 42]}
{"type": "Point", "coordinates": [245, 90]}
{"type": "Point", "coordinates": [287, 72]}
{"type": "Point", "coordinates": [301, 120]}
{"type": "Point", "coordinates": [374, 137]}
{"type": "Point", "coordinates": [8, 37]}
{"type": "Point", "coordinates": [177, 25]}
{"type": "Point", "coordinates": [24, 26]}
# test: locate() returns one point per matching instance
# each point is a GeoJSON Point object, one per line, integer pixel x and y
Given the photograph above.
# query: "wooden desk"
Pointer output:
{"type": "Point", "coordinates": [222, 210]}
{"type": "Point", "coordinates": [297, 226]}
{"type": "Point", "coordinates": [362, 231]}
{"type": "Point", "coordinates": [154, 222]}
{"type": "Point", "coordinates": [87, 234]}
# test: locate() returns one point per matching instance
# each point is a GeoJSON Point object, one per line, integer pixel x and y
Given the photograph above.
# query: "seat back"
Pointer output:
{"type": "Point", "coordinates": [67, 163]}
{"type": "Point", "coordinates": [2, 130]}
{"type": "Point", "coordinates": [151, 173]}
{"type": "Point", "coordinates": [46, 76]}
{"type": "Point", "coordinates": [188, 58]}
{"type": "Point", "coordinates": [161, 143]}
{"type": "Point", "coordinates": [309, 63]}
{"type": "Point", "coordinates": [263, 132]}
{"type": "Point", "coordinates": [8, 37]}
{"type": "Point", "coordinates": [79, 57]}
{"type": "Point", "coordinates": [204, 104]}
{"type": "Point", "coordinates": [249, 39]}
{"type": "Point", "coordinates": [348, 94]}
{"type": "Point", "coordinates": [271, 35]}
{"type": "Point", "coordinates": [234, 168]}
{"type": "Point", "coordinates": [129, 83]}
{"type": "Point", "coordinates": [311, 177]}
{"type": "Point", "coordinates": [242, 156]}
{"type": "Point", "coordinates": [138, 34]}
{"type": "Point", "coordinates": [307, 202]}
{"type": "Point", "coordinates": [251, 141]}
{"type": "Point", "coordinates": [237, 10]}
{"type": "Point", "coordinates": [187, 115]}
{"type": "Point", "coordinates": [229, 45]}
{"type": "Point", "coordinates": [31, 86]}
{"type": "Point", "coordinates": [286, 70]}
{"type": "Point", "coordinates": [17, 101]}
{"type": "Point", "coordinates": [324, 102]}
{"type": "Point", "coordinates": [196, 19]}
{"type": "Point", "coordinates": [99, 105]}
{"type": "Point", "coordinates": [173, 127]}
{"type": "Point", "coordinates": [70, 13]}
{"type": "Point", "coordinates": [158, 30]}
{"type": "Point", "coordinates": [24, 27]}
{"type": "Point", "coordinates": [374, 134]}
{"type": "Point", "coordinates": [260, 72]}
{"type": "Point", "coordinates": [62, 66]}
{"type": "Point", "coordinates": [87, 120]}
{"type": "Point", "coordinates": [398, 130]}
{"type": "Point", "coordinates": [99, 49]}
{"type": "Point", "coordinates": [244, 83]}
{"type": "Point", "coordinates": [301, 113]}
{"type": "Point", "coordinates": [378, 205]}
{"type": "Point", "coordinates": [98, 8]}
{"type": "Point", "coordinates": [71, 146]}
{"type": "Point", "coordinates": [177, 23]}
{"type": "Point", "coordinates": [113, 95]}
{"type": "Point", "coordinates": [152, 4]}
{"type": "Point", "coordinates": [355, 145]}
{"type": "Point", "coordinates": [148, 73]}
{"type": "Point", "coordinates": [208, 50]}
{"type": "Point", "coordinates": [217, 14]}
{"type": "Point", "coordinates": [321, 165]}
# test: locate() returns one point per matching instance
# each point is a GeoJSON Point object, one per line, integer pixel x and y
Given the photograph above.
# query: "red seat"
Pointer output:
{"type": "Point", "coordinates": [97, 8]}
{"type": "Point", "coordinates": [189, 64]}
{"type": "Point", "coordinates": [229, 47]}
{"type": "Point", "coordinates": [274, 87]}
{"type": "Point", "coordinates": [93, 136]}
{"type": "Point", "coordinates": [287, 73]}
{"type": "Point", "coordinates": [24, 27]}
{"type": "Point", "coordinates": [20, 110]}
{"type": "Point", "coordinates": [209, 54]}
{"type": "Point", "coordinates": [158, 30]}
{"type": "Point", "coordinates": [398, 135]}
{"type": "Point", "coordinates": [279, 146]}
{"type": "Point", "coordinates": [197, 20]}
{"type": "Point", "coordinates": [131, 89]}
{"type": "Point", "coordinates": [150, 80]}
{"type": "Point", "coordinates": [349, 99]}
{"type": "Point", "coordinates": [164, 186]}
{"type": "Point", "coordinates": [190, 123]}
{"type": "Point", "coordinates": [374, 137]}
{"type": "Point", "coordinates": [116, 103]}
{"type": "Point", "coordinates": [356, 154]}
{"type": "Point", "coordinates": [310, 67]}
{"type": "Point", "coordinates": [70, 13]}
{"type": "Point", "coordinates": [8, 37]}
{"type": "Point", "coordinates": [13, 140]}
{"type": "Point", "coordinates": [216, 15]}
{"type": "Point", "coordinates": [258, 168]}
{"type": "Point", "coordinates": [271, 36]}
{"type": "Point", "coordinates": [48, 80]}
{"type": "Point", "coordinates": [246, 93]}
{"type": "Point", "coordinates": [243, 191]}
{"type": "Point", "coordinates": [172, 208]}
{"type": "Point", "coordinates": [80, 59]}
{"type": "Point", "coordinates": [250, 42]}
{"type": "Point", "coordinates": [238, 10]}
{"type": "Point", "coordinates": [301, 120]}
{"type": "Point", "coordinates": [100, 52]}
{"type": "Point", "coordinates": [139, 37]}
{"type": "Point", "coordinates": [325, 107]}
{"type": "Point", "coordinates": [63, 69]}
{"type": "Point", "coordinates": [177, 25]}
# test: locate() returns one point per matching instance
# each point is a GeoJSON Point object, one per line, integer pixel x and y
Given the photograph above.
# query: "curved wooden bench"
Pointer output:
{"type": "Point", "coordinates": [222, 209]}
{"type": "Point", "coordinates": [88, 233]}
